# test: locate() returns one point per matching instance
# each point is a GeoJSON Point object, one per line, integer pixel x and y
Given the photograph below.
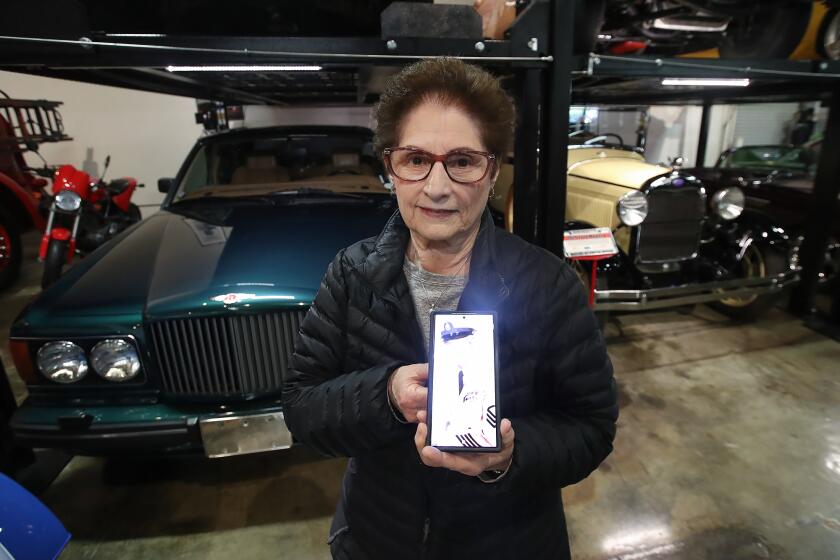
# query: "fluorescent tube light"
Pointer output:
{"type": "Point", "coordinates": [241, 68]}
{"type": "Point", "coordinates": [733, 82]}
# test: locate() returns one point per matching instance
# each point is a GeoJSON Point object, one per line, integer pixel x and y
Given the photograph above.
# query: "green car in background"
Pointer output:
{"type": "Point", "coordinates": [175, 336]}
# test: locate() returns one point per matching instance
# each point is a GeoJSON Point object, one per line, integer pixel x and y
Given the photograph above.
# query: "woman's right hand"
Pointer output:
{"type": "Point", "coordinates": [407, 390]}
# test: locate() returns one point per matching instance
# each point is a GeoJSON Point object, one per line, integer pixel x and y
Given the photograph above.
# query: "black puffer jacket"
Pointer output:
{"type": "Point", "coordinates": [556, 386]}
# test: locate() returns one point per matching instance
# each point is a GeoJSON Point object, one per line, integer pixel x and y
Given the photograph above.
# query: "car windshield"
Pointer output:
{"type": "Point", "coordinates": [769, 158]}
{"type": "Point", "coordinates": [305, 164]}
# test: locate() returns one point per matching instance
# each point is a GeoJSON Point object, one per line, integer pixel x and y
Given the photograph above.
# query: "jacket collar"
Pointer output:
{"type": "Point", "coordinates": [485, 287]}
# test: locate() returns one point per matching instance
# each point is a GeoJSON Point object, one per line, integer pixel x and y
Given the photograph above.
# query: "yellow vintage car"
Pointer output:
{"type": "Point", "coordinates": [678, 244]}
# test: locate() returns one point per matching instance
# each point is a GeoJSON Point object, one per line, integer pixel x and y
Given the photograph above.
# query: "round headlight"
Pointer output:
{"type": "Point", "coordinates": [632, 208]}
{"type": "Point", "coordinates": [728, 203]}
{"type": "Point", "coordinates": [115, 360]}
{"type": "Point", "coordinates": [68, 201]}
{"type": "Point", "coordinates": [62, 362]}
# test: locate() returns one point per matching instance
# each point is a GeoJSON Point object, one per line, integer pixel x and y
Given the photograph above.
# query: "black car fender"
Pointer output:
{"type": "Point", "coordinates": [755, 227]}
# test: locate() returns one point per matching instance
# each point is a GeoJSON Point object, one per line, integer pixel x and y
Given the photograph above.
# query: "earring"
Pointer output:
{"type": "Point", "coordinates": [493, 191]}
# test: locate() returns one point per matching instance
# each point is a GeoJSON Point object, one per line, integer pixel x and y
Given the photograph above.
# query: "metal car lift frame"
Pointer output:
{"type": "Point", "coordinates": [536, 54]}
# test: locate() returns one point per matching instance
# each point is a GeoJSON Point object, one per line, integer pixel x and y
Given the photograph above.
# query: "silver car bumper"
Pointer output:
{"type": "Point", "coordinates": [688, 294]}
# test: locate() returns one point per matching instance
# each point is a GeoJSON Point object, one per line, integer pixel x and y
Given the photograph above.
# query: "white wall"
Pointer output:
{"type": "Point", "coordinates": [721, 137]}
{"type": "Point", "coordinates": [672, 131]}
{"type": "Point", "coordinates": [147, 135]}
{"type": "Point", "coordinates": [764, 123]}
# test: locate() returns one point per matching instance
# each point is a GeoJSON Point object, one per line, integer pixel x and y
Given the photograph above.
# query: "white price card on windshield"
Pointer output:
{"type": "Point", "coordinates": [592, 242]}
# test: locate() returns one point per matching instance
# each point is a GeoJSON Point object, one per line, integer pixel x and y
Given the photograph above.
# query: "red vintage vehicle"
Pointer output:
{"type": "Point", "coordinates": [24, 125]}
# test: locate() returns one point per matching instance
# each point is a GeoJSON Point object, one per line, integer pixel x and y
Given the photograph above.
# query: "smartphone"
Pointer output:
{"type": "Point", "coordinates": [462, 412]}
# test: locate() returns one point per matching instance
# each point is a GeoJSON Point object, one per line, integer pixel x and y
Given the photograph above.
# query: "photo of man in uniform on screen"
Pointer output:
{"type": "Point", "coordinates": [464, 408]}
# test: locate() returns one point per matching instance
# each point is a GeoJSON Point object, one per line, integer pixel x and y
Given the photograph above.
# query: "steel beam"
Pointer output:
{"type": "Point", "coordinates": [822, 213]}
{"type": "Point", "coordinates": [554, 140]}
{"type": "Point", "coordinates": [526, 195]}
{"type": "Point", "coordinates": [159, 52]}
{"type": "Point", "coordinates": [703, 139]}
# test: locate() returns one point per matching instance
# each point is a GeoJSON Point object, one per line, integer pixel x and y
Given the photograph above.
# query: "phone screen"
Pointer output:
{"type": "Point", "coordinates": [463, 387]}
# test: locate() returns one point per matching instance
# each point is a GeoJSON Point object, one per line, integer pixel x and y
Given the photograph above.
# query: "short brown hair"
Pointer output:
{"type": "Point", "coordinates": [451, 82]}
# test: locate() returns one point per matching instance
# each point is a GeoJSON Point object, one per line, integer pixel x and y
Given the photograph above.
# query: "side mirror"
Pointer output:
{"type": "Point", "coordinates": [165, 184]}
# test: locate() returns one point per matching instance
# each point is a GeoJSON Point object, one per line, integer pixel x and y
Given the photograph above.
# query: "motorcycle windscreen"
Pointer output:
{"type": "Point", "coordinates": [463, 382]}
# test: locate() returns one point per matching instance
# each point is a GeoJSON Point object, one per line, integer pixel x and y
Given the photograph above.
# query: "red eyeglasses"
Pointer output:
{"type": "Point", "coordinates": [462, 166]}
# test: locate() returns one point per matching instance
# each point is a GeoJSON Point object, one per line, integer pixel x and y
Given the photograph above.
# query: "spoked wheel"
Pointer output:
{"type": "Point", "coordinates": [10, 250]}
{"type": "Point", "coordinates": [757, 263]}
{"type": "Point", "coordinates": [831, 265]}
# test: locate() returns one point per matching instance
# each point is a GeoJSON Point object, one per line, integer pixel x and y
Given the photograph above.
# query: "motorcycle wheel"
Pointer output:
{"type": "Point", "coordinates": [54, 263]}
{"type": "Point", "coordinates": [758, 262]}
{"type": "Point", "coordinates": [774, 32]}
{"type": "Point", "coordinates": [134, 214]}
{"type": "Point", "coordinates": [10, 249]}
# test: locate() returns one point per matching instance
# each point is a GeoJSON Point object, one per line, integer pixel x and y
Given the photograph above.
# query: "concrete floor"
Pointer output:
{"type": "Point", "coordinates": [728, 448]}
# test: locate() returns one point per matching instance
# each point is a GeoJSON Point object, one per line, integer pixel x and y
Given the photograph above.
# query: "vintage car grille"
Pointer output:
{"type": "Point", "coordinates": [671, 231]}
{"type": "Point", "coordinates": [233, 355]}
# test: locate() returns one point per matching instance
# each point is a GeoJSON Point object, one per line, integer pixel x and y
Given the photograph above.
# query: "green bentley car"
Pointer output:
{"type": "Point", "coordinates": [176, 335]}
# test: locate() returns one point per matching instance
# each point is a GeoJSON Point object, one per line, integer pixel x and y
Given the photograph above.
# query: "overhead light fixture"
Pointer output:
{"type": "Point", "coordinates": [725, 82]}
{"type": "Point", "coordinates": [251, 68]}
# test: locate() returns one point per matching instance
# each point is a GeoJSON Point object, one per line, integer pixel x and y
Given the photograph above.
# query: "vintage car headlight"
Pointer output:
{"type": "Point", "coordinates": [632, 208]}
{"type": "Point", "coordinates": [68, 201]}
{"type": "Point", "coordinates": [62, 361]}
{"type": "Point", "coordinates": [728, 203]}
{"type": "Point", "coordinates": [115, 360]}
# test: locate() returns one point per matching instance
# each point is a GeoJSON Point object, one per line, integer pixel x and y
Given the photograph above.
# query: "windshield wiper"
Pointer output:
{"type": "Point", "coordinates": [312, 191]}
{"type": "Point", "coordinates": [233, 200]}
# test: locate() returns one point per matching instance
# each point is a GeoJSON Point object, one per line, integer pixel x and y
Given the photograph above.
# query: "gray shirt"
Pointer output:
{"type": "Point", "coordinates": [429, 289]}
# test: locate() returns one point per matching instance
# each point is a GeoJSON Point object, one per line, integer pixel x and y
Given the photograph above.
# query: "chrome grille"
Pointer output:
{"type": "Point", "coordinates": [671, 231]}
{"type": "Point", "coordinates": [234, 355]}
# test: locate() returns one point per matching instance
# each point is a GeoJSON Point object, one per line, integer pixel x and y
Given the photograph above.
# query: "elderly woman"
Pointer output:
{"type": "Point", "coordinates": [357, 385]}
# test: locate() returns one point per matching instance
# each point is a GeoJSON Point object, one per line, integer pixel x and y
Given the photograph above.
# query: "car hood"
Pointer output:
{"type": "Point", "coordinates": [621, 171]}
{"type": "Point", "coordinates": [176, 264]}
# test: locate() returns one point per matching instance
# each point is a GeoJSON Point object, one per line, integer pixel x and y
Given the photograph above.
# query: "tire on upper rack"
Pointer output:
{"type": "Point", "coordinates": [589, 17]}
{"type": "Point", "coordinates": [828, 36]}
{"type": "Point", "coordinates": [773, 31]}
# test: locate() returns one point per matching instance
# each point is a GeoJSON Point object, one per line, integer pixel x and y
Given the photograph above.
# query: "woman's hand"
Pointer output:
{"type": "Point", "coordinates": [407, 390]}
{"type": "Point", "coordinates": [470, 464]}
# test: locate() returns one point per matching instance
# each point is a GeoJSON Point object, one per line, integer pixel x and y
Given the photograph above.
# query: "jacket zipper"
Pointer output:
{"type": "Point", "coordinates": [425, 547]}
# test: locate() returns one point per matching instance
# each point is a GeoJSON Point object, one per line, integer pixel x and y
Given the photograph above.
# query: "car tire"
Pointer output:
{"type": "Point", "coordinates": [773, 33]}
{"type": "Point", "coordinates": [10, 249]}
{"type": "Point", "coordinates": [54, 262]}
{"type": "Point", "coordinates": [759, 261]}
{"type": "Point", "coordinates": [829, 32]}
{"type": "Point", "coordinates": [589, 18]}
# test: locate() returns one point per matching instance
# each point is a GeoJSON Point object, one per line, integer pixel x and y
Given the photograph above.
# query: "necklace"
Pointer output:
{"type": "Point", "coordinates": [448, 285]}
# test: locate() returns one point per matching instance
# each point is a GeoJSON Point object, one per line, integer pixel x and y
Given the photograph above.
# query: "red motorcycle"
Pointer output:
{"type": "Point", "coordinates": [83, 214]}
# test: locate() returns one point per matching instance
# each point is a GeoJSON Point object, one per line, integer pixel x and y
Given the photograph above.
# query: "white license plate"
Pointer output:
{"type": "Point", "coordinates": [238, 435]}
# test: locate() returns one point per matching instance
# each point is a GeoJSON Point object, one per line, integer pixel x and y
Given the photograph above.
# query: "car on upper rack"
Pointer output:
{"type": "Point", "coordinates": [175, 335]}
{"type": "Point", "coordinates": [678, 243]}
{"type": "Point", "coordinates": [778, 182]}
{"type": "Point", "coordinates": [739, 29]}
